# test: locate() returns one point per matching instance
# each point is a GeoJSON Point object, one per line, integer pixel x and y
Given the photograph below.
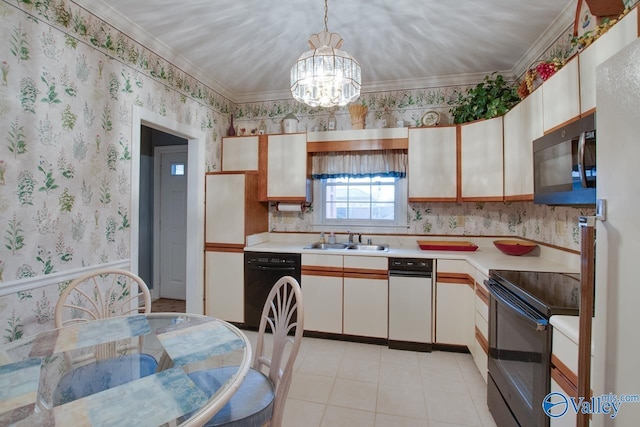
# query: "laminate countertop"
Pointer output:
{"type": "Point", "coordinates": [485, 258]}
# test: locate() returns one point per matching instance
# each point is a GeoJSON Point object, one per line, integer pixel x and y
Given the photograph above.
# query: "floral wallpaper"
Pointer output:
{"type": "Point", "coordinates": [68, 83]}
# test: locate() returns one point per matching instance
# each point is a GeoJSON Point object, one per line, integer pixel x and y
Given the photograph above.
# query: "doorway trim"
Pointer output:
{"type": "Point", "coordinates": [195, 198]}
{"type": "Point", "coordinates": [157, 153]}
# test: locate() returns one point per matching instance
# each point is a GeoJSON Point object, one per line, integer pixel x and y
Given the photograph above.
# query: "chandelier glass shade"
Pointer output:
{"type": "Point", "coordinates": [325, 76]}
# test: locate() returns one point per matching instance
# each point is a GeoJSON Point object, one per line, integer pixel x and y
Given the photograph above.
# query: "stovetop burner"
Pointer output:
{"type": "Point", "coordinates": [549, 293]}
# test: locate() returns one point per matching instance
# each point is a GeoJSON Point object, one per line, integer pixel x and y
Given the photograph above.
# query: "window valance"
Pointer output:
{"type": "Point", "coordinates": [359, 164]}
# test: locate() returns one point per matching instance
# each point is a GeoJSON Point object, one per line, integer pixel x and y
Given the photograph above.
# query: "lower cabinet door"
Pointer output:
{"type": "Point", "coordinates": [224, 285]}
{"type": "Point", "coordinates": [453, 313]}
{"type": "Point", "coordinates": [365, 307]}
{"type": "Point", "coordinates": [322, 303]}
{"type": "Point", "coordinates": [569, 418]}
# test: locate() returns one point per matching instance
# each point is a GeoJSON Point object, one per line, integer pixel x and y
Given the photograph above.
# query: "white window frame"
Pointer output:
{"type": "Point", "coordinates": [321, 223]}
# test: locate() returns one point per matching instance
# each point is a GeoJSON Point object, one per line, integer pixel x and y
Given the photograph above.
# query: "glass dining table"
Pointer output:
{"type": "Point", "coordinates": [32, 370]}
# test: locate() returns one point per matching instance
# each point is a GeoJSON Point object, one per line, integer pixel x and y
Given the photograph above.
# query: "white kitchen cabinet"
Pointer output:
{"type": "Point", "coordinates": [345, 294]}
{"type": "Point", "coordinates": [479, 347]}
{"type": "Point", "coordinates": [365, 311]}
{"type": "Point", "coordinates": [321, 282]}
{"type": "Point", "coordinates": [620, 35]}
{"type": "Point", "coordinates": [323, 303]}
{"type": "Point", "coordinates": [240, 153]}
{"type": "Point", "coordinates": [561, 96]}
{"type": "Point", "coordinates": [522, 125]}
{"type": "Point", "coordinates": [454, 304]}
{"type": "Point", "coordinates": [482, 160]}
{"type": "Point", "coordinates": [287, 167]}
{"type": "Point", "coordinates": [432, 169]}
{"type": "Point", "coordinates": [365, 307]}
{"type": "Point", "coordinates": [569, 418]}
{"type": "Point", "coordinates": [224, 285]}
{"type": "Point", "coordinates": [232, 210]}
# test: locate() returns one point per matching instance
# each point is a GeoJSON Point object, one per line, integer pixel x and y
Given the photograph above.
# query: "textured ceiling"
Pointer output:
{"type": "Point", "coordinates": [245, 48]}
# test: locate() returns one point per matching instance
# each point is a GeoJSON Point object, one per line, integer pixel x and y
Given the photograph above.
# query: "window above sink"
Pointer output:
{"type": "Point", "coordinates": [360, 202]}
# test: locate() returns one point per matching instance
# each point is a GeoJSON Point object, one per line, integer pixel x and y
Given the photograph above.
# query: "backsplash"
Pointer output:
{"type": "Point", "coordinates": [553, 225]}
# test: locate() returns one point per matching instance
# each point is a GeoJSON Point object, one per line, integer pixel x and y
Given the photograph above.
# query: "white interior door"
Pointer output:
{"type": "Point", "coordinates": [172, 236]}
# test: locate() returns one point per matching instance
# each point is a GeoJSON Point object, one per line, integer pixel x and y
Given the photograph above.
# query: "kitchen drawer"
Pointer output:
{"type": "Point", "coordinates": [322, 260]}
{"type": "Point", "coordinates": [366, 262]}
{"type": "Point", "coordinates": [482, 324]}
{"type": "Point", "coordinates": [482, 308]}
{"type": "Point", "coordinates": [566, 350]}
{"type": "Point", "coordinates": [480, 277]}
{"type": "Point", "coordinates": [480, 358]}
{"type": "Point", "coordinates": [452, 266]}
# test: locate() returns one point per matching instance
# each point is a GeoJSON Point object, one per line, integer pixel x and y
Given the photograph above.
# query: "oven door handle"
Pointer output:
{"type": "Point", "coordinates": [505, 297]}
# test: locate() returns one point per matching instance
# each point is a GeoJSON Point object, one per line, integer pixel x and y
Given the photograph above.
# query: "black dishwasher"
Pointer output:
{"type": "Point", "coordinates": [261, 271]}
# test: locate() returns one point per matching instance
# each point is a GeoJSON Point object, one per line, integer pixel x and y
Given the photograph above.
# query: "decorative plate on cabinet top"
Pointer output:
{"type": "Point", "coordinates": [430, 118]}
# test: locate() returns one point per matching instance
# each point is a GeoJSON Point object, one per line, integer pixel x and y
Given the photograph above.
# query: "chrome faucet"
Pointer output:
{"type": "Point", "coordinates": [350, 237]}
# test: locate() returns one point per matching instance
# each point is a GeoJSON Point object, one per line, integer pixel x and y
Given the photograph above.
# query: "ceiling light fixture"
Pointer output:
{"type": "Point", "coordinates": [325, 76]}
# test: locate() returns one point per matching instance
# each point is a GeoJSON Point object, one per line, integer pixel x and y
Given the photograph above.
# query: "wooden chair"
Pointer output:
{"type": "Point", "coordinates": [261, 398]}
{"type": "Point", "coordinates": [102, 294]}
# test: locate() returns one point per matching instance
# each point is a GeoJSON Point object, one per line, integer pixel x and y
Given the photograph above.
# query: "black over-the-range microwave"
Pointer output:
{"type": "Point", "coordinates": [564, 165]}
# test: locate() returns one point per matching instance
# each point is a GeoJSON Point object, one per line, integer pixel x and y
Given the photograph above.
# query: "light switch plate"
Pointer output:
{"type": "Point", "coordinates": [601, 209]}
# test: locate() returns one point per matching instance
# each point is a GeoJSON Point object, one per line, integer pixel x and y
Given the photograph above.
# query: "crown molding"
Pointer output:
{"type": "Point", "coordinates": [554, 31]}
{"type": "Point", "coordinates": [432, 82]}
{"type": "Point", "coordinates": [122, 23]}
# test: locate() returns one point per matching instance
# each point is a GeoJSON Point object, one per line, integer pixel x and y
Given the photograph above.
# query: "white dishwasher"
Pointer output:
{"type": "Point", "coordinates": [410, 303]}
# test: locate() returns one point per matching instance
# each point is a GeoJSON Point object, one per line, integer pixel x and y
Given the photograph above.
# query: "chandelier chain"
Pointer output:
{"type": "Point", "coordinates": [326, 19]}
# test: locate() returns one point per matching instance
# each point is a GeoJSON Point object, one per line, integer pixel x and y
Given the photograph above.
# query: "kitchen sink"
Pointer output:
{"type": "Point", "coordinates": [363, 247]}
{"type": "Point", "coordinates": [325, 246]}
{"type": "Point", "coordinates": [347, 246]}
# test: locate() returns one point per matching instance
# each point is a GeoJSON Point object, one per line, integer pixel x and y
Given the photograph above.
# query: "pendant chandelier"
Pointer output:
{"type": "Point", "coordinates": [325, 76]}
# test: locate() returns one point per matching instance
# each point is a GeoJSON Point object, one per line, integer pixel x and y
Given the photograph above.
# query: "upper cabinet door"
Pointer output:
{"type": "Point", "coordinates": [561, 96]}
{"type": "Point", "coordinates": [432, 171]}
{"type": "Point", "coordinates": [240, 153]}
{"type": "Point", "coordinates": [287, 167]}
{"type": "Point", "coordinates": [607, 45]}
{"type": "Point", "coordinates": [482, 160]}
{"type": "Point", "coordinates": [522, 125]}
{"type": "Point", "coordinates": [225, 208]}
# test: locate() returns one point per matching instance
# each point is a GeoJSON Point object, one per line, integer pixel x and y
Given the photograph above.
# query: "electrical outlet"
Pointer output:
{"type": "Point", "coordinates": [561, 227]}
{"type": "Point", "coordinates": [460, 220]}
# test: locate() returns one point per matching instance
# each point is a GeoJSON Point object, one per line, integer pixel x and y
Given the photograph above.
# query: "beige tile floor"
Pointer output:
{"type": "Point", "coordinates": [338, 383]}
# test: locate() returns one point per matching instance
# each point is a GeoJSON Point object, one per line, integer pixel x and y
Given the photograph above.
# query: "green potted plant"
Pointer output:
{"type": "Point", "coordinates": [490, 98]}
